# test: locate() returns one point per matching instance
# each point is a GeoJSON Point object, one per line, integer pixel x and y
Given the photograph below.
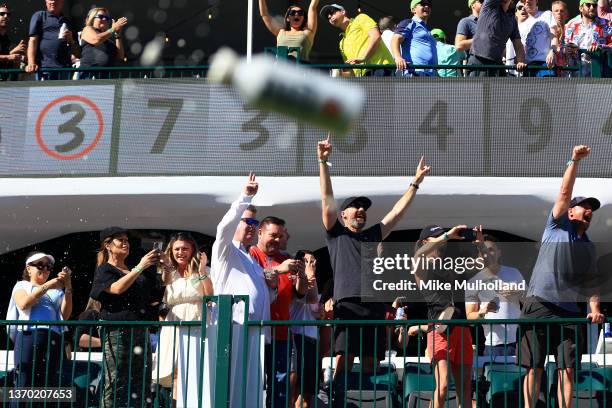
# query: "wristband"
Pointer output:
{"type": "Point", "coordinates": [416, 186]}
{"type": "Point", "coordinates": [112, 31]}
{"type": "Point", "coordinates": [570, 162]}
{"type": "Point", "coordinates": [325, 162]}
{"type": "Point", "coordinates": [445, 236]}
{"type": "Point", "coordinates": [136, 269]}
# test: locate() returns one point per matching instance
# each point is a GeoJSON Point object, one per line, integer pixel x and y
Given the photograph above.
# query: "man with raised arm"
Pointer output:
{"type": "Point", "coordinates": [345, 236]}
{"type": "Point", "coordinates": [562, 280]}
{"type": "Point", "coordinates": [234, 272]}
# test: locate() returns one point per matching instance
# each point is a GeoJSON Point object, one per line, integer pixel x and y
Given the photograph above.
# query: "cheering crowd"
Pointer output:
{"type": "Point", "coordinates": [496, 32]}
{"type": "Point", "coordinates": [284, 287]}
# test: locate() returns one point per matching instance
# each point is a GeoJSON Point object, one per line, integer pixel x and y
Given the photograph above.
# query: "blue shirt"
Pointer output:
{"type": "Point", "coordinates": [48, 307]}
{"type": "Point", "coordinates": [52, 52]}
{"type": "Point", "coordinates": [566, 266]}
{"type": "Point", "coordinates": [418, 46]}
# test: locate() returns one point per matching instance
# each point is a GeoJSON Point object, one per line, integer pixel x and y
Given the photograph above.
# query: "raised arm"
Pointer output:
{"type": "Point", "coordinates": [124, 283]}
{"type": "Point", "coordinates": [567, 183]}
{"type": "Point", "coordinates": [398, 210]}
{"type": "Point", "coordinates": [313, 17]}
{"type": "Point", "coordinates": [270, 23]}
{"type": "Point", "coordinates": [329, 212]}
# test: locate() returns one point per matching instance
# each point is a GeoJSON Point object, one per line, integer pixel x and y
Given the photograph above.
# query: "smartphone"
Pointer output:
{"type": "Point", "coordinates": [468, 235]}
{"type": "Point", "coordinates": [495, 301]}
{"type": "Point", "coordinates": [158, 246]}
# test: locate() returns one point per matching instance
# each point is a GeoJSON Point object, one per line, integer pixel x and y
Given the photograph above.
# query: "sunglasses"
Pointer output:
{"type": "Point", "coordinates": [250, 221]}
{"type": "Point", "coordinates": [519, 8]}
{"type": "Point", "coordinates": [102, 17]}
{"type": "Point", "coordinates": [41, 266]}
{"type": "Point", "coordinates": [5, 13]}
{"type": "Point", "coordinates": [425, 4]}
{"type": "Point", "coordinates": [589, 5]}
{"type": "Point", "coordinates": [296, 12]}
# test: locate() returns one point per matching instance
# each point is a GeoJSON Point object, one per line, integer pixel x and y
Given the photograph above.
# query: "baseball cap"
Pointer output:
{"type": "Point", "coordinates": [470, 2]}
{"type": "Point", "coordinates": [414, 3]}
{"type": "Point", "coordinates": [364, 202]}
{"type": "Point", "coordinates": [111, 232]}
{"type": "Point", "coordinates": [431, 231]}
{"type": "Point", "coordinates": [438, 34]}
{"type": "Point", "coordinates": [595, 204]}
{"type": "Point", "coordinates": [588, 1]}
{"type": "Point", "coordinates": [329, 9]}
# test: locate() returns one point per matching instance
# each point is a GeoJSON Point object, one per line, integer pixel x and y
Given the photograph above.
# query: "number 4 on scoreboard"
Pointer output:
{"type": "Point", "coordinates": [174, 106]}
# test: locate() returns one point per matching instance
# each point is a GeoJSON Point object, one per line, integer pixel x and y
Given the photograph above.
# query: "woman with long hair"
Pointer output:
{"type": "Point", "coordinates": [187, 279]}
{"type": "Point", "coordinates": [124, 295]}
{"type": "Point", "coordinates": [36, 297]}
{"type": "Point", "coordinates": [297, 31]}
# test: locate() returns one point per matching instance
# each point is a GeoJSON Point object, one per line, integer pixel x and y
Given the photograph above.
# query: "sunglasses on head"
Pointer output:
{"type": "Point", "coordinates": [5, 13]}
{"type": "Point", "coordinates": [251, 221]}
{"type": "Point", "coordinates": [41, 266]}
{"type": "Point", "coordinates": [296, 12]}
{"type": "Point", "coordinates": [102, 17]}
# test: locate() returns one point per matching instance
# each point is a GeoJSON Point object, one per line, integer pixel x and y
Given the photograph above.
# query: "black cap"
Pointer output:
{"type": "Point", "coordinates": [111, 232]}
{"type": "Point", "coordinates": [364, 202]}
{"type": "Point", "coordinates": [431, 231]}
{"type": "Point", "coordinates": [595, 204]}
{"type": "Point", "coordinates": [329, 9]}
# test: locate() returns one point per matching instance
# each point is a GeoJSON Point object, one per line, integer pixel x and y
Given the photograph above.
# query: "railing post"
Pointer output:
{"type": "Point", "coordinates": [224, 345]}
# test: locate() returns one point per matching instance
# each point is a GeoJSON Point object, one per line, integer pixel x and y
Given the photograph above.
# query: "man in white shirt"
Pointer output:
{"type": "Point", "coordinates": [537, 30]}
{"type": "Point", "coordinates": [234, 272]}
{"type": "Point", "coordinates": [500, 340]}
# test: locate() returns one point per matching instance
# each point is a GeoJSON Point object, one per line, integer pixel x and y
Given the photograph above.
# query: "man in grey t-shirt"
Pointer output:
{"type": "Point", "coordinates": [496, 25]}
{"type": "Point", "coordinates": [466, 29]}
{"type": "Point", "coordinates": [566, 261]}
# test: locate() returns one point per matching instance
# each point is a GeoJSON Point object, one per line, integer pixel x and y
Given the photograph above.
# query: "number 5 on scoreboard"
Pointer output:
{"type": "Point", "coordinates": [174, 106]}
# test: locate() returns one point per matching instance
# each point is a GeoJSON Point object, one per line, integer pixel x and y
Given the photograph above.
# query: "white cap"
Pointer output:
{"type": "Point", "coordinates": [222, 67]}
{"type": "Point", "coordinates": [38, 256]}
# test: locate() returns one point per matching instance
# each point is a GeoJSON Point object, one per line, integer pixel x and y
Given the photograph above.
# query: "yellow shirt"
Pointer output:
{"type": "Point", "coordinates": [355, 40]}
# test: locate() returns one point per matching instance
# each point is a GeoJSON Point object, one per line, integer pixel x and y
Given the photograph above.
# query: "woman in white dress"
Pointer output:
{"type": "Point", "coordinates": [187, 280]}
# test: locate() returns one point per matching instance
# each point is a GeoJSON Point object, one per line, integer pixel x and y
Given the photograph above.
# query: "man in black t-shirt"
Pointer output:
{"type": "Point", "coordinates": [345, 237]}
{"type": "Point", "coordinates": [9, 58]}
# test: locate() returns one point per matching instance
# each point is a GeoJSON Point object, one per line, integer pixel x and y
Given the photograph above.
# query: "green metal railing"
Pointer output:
{"type": "Point", "coordinates": [392, 381]}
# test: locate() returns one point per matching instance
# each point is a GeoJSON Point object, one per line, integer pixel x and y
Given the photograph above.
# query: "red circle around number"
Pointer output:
{"type": "Point", "coordinates": [44, 112]}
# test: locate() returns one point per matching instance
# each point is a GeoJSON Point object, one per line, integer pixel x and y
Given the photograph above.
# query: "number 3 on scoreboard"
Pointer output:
{"type": "Point", "coordinates": [174, 106]}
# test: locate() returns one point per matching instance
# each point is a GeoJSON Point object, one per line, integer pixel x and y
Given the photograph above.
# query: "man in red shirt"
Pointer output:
{"type": "Point", "coordinates": [291, 277]}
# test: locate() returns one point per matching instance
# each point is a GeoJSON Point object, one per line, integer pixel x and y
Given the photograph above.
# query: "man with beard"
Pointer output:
{"type": "Point", "coordinates": [234, 272]}
{"type": "Point", "coordinates": [9, 58]}
{"type": "Point", "coordinates": [586, 31]}
{"type": "Point", "coordinates": [344, 242]}
{"type": "Point", "coordinates": [267, 253]}
{"type": "Point", "coordinates": [563, 278]}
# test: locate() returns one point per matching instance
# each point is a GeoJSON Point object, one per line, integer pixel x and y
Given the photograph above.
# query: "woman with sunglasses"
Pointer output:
{"type": "Point", "coordinates": [125, 295]}
{"type": "Point", "coordinates": [187, 279]}
{"type": "Point", "coordinates": [101, 41]}
{"type": "Point", "coordinates": [36, 297]}
{"type": "Point", "coordinates": [299, 29]}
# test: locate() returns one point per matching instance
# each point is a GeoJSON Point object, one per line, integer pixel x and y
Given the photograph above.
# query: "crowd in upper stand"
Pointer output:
{"type": "Point", "coordinates": [536, 42]}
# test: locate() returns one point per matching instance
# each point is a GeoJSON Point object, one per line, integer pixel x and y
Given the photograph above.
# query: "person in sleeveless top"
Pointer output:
{"type": "Point", "coordinates": [101, 41]}
{"type": "Point", "coordinates": [299, 30]}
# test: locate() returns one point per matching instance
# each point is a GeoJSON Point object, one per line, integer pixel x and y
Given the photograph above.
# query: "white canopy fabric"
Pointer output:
{"type": "Point", "coordinates": [35, 210]}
